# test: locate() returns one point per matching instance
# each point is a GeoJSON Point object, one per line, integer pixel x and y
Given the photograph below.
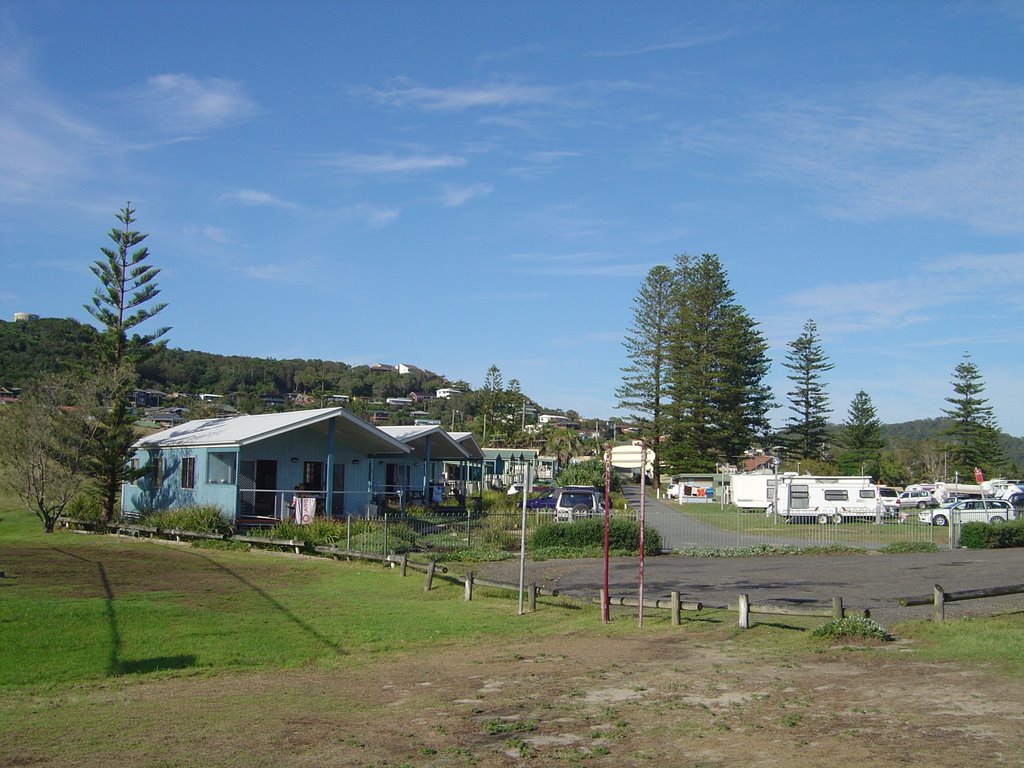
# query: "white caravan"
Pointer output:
{"type": "Point", "coordinates": [833, 499]}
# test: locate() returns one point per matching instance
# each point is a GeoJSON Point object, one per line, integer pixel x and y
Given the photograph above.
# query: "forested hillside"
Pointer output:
{"type": "Point", "coordinates": [48, 345]}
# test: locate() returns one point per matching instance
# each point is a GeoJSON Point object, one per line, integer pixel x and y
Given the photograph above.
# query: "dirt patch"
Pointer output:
{"type": "Point", "coordinates": [625, 701]}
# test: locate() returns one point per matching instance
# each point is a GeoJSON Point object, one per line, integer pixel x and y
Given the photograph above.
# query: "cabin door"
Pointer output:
{"type": "Point", "coordinates": [266, 488]}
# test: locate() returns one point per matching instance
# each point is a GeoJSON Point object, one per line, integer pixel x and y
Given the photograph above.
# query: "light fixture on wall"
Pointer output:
{"type": "Point", "coordinates": [295, 459]}
{"type": "Point", "coordinates": [355, 461]}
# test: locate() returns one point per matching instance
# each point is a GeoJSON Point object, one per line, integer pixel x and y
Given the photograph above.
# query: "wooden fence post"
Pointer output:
{"type": "Point", "coordinates": [674, 597]}
{"type": "Point", "coordinates": [837, 608]}
{"type": "Point", "coordinates": [430, 575]}
{"type": "Point", "coordinates": [405, 562]}
{"type": "Point", "coordinates": [532, 596]}
{"type": "Point", "coordinates": [744, 608]}
{"type": "Point", "coordinates": [469, 586]}
{"type": "Point", "coordinates": [603, 602]}
{"type": "Point", "coordinates": [939, 606]}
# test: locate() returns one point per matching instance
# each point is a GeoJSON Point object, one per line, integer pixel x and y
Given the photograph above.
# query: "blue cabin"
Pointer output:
{"type": "Point", "coordinates": [256, 469]}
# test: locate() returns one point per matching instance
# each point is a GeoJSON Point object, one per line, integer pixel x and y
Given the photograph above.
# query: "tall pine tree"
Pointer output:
{"type": "Point", "coordinates": [807, 431]}
{"type": "Point", "coordinates": [644, 387]}
{"type": "Point", "coordinates": [973, 432]}
{"type": "Point", "coordinates": [861, 439]}
{"type": "Point", "coordinates": [718, 360]}
{"type": "Point", "coordinates": [121, 302]}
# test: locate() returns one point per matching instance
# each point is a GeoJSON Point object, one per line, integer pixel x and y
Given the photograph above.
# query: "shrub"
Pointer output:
{"type": "Point", "coordinates": [973, 536]}
{"type": "Point", "coordinates": [901, 547]}
{"type": "Point", "coordinates": [992, 535]}
{"type": "Point", "coordinates": [623, 536]}
{"type": "Point", "coordinates": [852, 626]}
{"type": "Point", "coordinates": [205, 518]}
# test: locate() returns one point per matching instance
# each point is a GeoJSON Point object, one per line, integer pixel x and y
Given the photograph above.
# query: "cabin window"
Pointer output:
{"type": "Point", "coordinates": [157, 471]}
{"type": "Point", "coordinates": [220, 468]}
{"type": "Point", "coordinates": [188, 472]}
{"type": "Point", "coordinates": [836, 494]}
{"type": "Point", "coordinates": [867, 493]}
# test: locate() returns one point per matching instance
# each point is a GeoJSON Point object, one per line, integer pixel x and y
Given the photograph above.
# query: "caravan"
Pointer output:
{"type": "Point", "coordinates": [793, 497]}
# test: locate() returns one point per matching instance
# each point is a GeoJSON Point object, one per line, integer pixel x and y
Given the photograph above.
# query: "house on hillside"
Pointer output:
{"type": "Point", "coordinates": [254, 468]}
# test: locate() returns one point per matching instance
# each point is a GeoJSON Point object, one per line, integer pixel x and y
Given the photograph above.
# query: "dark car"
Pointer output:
{"type": "Point", "coordinates": [546, 500]}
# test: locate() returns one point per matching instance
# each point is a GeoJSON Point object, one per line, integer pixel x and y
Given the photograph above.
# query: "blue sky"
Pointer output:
{"type": "Point", "coordinates": [456, 184]}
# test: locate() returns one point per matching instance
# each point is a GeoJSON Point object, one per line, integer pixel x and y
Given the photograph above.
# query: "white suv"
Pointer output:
{"type": "Point", "coordinates": [970, 511]}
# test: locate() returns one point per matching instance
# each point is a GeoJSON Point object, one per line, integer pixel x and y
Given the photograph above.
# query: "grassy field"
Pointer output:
{"type": "Point", "coordinates": [121, 651]}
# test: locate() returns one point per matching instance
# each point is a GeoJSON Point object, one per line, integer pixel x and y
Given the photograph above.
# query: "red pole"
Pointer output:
{"type": "Point", "coordinates": [643, 500]}
{"type": "Point", "coordinates": [607, 515]}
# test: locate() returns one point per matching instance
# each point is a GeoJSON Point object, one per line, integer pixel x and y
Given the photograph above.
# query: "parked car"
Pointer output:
{"type": "Point", "coordinates": [545, 500]}
{"type": "Point", "coordinates": [919, 499]}
{"type": "Point", "coordinates": [970, 511]}
{"type": "Point", "coordinates": [575, 502]}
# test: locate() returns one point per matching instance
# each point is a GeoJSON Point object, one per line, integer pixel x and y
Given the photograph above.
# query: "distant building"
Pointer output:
{"type": "Point", "coordinates": [24, 317]}
{"type": "Point", "coordinates": [447, 392]}
{"type": "Point", "coordinates": [405, 368]}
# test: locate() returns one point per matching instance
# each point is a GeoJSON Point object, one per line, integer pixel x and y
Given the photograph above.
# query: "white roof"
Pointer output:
{"type": "Point", "coordinates": [244, 430]}
{"type": "Point", "coordinates": [468, 443]}
{"type": "Point", "coordinates": [442, 446]}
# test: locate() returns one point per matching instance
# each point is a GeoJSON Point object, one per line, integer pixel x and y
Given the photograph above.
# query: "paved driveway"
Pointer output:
{"type": "Point", "coordinates": [868, 581]}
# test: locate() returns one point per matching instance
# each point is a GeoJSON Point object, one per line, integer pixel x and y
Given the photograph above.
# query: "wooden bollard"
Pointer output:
{"type": "Point", "coordinates": [939, 606]}
{"type": "Point", "coordinates": [430, 575]}
{"type": "Point", "coordinates": [744, 608]}
{"type": "Point", "coordinates": [404, 563]}
{"type": "Point", "coordinates": [604, 605]}
{"type": "Point", "coordinates": [469, 586]}
{"type": "Point", "coordinates": [676, 618]}
{"type": "Point", "coordinates": [531, 592]}
{"type": "Point", "coordinates": [837, 608]}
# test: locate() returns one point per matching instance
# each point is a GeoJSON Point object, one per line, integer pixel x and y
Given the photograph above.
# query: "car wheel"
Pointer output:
{"type": "Point", "coordinates": [921, 505]}
{"type": "Point", "coordinates": [580, 510]}
{"type": "Point", "coordinates": [996, 519]}
{"type": "Point", "coordinates": [939, 520]}
{"type": "Point", "coordinates": [823, 519]}
{"type": "Point", "coordinates": [837, 518]}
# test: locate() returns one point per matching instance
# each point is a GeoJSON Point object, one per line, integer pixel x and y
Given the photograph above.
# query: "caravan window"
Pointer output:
{"type": "Point", "coordinates": [836, 494]}
{"type": "Point", "coordinates": [867, 493]}
{"type": "Point", "coordinates": [799, 497]}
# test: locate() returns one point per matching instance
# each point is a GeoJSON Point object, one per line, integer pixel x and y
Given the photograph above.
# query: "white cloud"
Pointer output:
{"type": "Point", "coordinates": [581, 264]}
{"type": "Point", "coordinates": [461, 98]}
{"type": "Point", "coordinates": [183, 104]}
{"type": "Point", "coordinates": [944, 148]}
{"type": "Point", "coordinates": [672, 45]}
{"type": "Point", "coordinates": [388, 163]}
{"type": "Point", "coordinates": [255, 197]}
{"type": "Point", "coordinates": [372, 215]}
{"type": "Point", "coordinates": [452, 196]}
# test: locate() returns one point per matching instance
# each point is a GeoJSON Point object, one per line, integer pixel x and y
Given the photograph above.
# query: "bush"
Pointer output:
{"type": "Point", "coordinates": [992, 535]}
{"type": "Point", "coordinates": [901, 547]}
{"type": "Point", "coordinates": [852, 626]}
{"type": "Point", "coordinates": [199, 519]}
{"type": "Point", "coordinates": [623, 536]}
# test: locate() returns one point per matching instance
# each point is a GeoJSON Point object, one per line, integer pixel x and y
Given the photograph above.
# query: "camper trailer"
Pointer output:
{"type": "Point", "coordinates": [834, 499]}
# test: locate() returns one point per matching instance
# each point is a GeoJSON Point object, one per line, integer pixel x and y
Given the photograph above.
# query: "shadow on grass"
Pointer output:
{"type": "Point", "coordinates": [274, 603]}
{"type": "Point", "coordinates": [117, 666]}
